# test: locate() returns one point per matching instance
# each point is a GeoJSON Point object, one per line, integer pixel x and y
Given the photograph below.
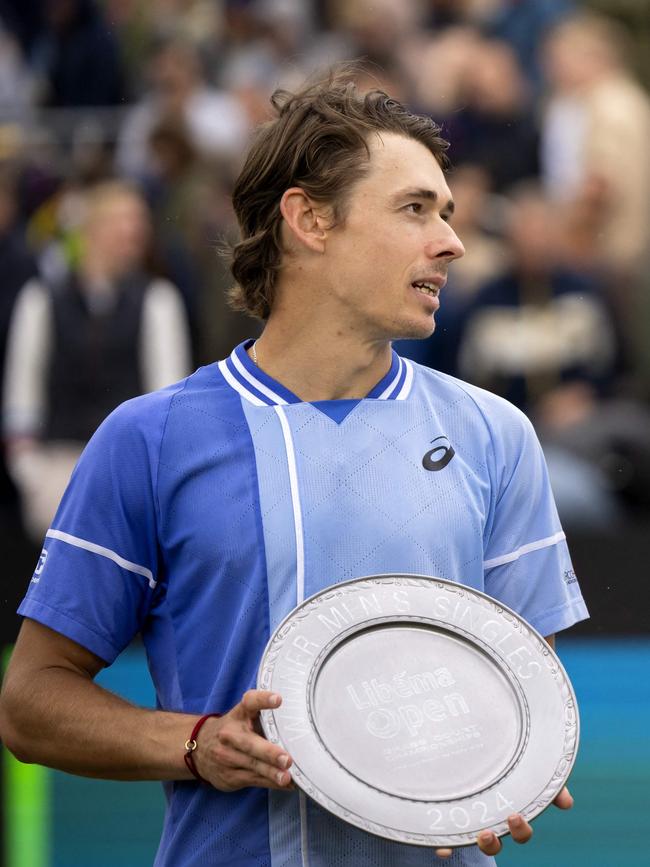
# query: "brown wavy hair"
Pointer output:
{"type": "Point", "coordinates": [318, 142]}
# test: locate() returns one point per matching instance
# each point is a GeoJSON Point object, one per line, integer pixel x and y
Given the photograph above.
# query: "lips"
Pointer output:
{"type": "Point", "coordinates": [429, 285]}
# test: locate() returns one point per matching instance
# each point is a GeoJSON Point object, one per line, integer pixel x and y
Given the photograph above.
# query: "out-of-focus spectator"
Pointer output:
{"type": "Point", "coordinates": [78, 56]}
{"type": "Point", "coordinates": [216, 122]}
{"type": "Point", "coordinates": [178, 190]}
{"type": "Point", "coordinates": [16, 82]}
{"type": "Point", "coordinates": [496, 127]}
{"type": "Point", "coordinates": [595, 135]}
{"type": "Point", "coordinates": [17, 266]}
{"type": "Point", "coordinates": [539, 334]}
{"type": "Point", "coordinates": [523, 26]}
{"type": "Point", "coordinates": [477, 221]}
{"type": "Point", "coordinates": [78, 346]}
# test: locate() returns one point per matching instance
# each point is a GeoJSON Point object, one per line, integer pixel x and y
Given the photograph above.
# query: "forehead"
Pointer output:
{"type": "Point", "coordinates": [398, 162]}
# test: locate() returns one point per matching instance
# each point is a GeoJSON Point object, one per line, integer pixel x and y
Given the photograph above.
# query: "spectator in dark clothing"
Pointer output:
{"type": "Point", "coordinates": [496, 128]}
{"type": "Point", "coordinates": [79, 56]}
{"type": "Point", "coordinates": [17, 266]}
{"type": "Point", "coordinates": [540, 335]}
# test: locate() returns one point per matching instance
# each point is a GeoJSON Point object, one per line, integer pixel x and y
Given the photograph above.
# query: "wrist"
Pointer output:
{"type": "Point", "coordinates": [191, 745]}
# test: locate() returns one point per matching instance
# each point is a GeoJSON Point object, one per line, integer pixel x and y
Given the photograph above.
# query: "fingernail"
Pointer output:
{"type": "Point", "coordinates": [283, 761]}
{"type": "Point", "coordinates": [515, 820]}
{"type": "Point", "coordinates": [486, 837]}
{"type": "Point", "coordinates": [274, 699]}
{"type": "Point", "coordinates": [281, 777]}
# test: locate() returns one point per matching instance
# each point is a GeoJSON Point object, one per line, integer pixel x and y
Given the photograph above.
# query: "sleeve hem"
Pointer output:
{"type": "Point", "coordinates": [69, 627]}
{"type": "Point", "coordinates": [558, 619]}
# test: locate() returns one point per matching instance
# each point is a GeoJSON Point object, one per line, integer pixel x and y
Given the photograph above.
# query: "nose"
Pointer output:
{"type": "Point", "coordinates": [446, 245]}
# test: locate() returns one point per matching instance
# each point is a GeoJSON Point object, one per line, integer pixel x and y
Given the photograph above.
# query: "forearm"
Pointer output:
{"type": "Point", "coordinates": [64, 720]}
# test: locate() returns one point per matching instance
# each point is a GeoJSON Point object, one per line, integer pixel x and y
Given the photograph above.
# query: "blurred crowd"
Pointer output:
{"type": "Point", "coordinates": [122, 127]}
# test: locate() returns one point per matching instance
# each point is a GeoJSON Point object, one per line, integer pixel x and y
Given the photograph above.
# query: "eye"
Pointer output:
{"type": "Point", "coordinates": [414, 207]}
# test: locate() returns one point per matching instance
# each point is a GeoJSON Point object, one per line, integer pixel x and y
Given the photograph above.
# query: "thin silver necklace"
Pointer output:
{"type": "Point", "coordinates": [254, 353]}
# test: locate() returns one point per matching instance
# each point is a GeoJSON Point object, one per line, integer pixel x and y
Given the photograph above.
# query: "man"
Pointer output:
{"type": "Point", "coordinates": [202, 514]}
{"type": "Point", "coordinates": [84, 341]}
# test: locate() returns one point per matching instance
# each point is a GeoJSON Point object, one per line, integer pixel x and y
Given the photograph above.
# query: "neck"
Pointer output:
{"type": "Point", "coordinates": [318, 365]}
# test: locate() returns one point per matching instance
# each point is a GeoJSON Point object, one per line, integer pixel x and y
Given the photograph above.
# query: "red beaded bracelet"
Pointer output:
{"type": "Point", "coordinates": [191, 745]}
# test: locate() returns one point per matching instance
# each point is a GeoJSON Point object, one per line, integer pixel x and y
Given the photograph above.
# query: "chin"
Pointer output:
{"type": "Point", "coordinates": [416, 331]}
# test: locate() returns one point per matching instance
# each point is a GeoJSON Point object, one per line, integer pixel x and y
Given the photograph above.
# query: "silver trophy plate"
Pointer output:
{"type": "Point", "coordinates": [419, 709]}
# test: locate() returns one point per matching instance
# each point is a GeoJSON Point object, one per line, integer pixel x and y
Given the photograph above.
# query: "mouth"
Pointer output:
{"type": "Point", "coordinates": [430, 287]}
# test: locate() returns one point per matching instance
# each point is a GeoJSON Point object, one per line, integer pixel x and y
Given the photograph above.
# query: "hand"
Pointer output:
{"type": "Point", "coordinates": [231, 753]}
{"type": "Point", "coordinates": [520, 830]}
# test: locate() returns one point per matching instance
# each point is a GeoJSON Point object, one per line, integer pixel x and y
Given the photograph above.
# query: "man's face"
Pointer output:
{"type": "Point", "coordinates": [387, 260]}
{"type": "Point", "coordinates": [119, 231]}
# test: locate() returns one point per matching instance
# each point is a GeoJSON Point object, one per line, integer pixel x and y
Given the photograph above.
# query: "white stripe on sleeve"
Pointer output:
{"type": "Point", "coordinates": [103, 552]}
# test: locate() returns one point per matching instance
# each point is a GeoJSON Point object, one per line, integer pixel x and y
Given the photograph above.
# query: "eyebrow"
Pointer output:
{"type": "Point", "coordinates": [422, 193]}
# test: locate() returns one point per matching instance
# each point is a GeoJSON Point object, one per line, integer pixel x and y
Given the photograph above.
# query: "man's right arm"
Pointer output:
{"type": "Point", "coordinates": [52, 712]}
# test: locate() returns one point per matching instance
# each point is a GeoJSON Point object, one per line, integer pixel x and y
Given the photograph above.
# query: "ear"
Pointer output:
{"type": "Point", "coordinates": [304, 218]}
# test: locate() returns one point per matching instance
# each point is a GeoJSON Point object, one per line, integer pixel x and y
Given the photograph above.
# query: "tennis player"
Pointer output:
{"type": "Point", "coordinates": [200, 515]}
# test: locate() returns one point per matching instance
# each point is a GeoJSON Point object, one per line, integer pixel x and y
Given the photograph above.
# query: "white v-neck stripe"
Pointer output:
{"type": "Point", "coordinates": [238, 386]}
{"type": "Point", "coordinates": [256, 382]}
{"type": "Point", "coordinates": [408, 382]}
{"type": "Point", "coordinates": [393, 382]}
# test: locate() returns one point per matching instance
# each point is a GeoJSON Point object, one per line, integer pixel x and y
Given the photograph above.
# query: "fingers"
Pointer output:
{"type": "Point", "coordinates": [256, 700]}
{"type": "Point", "coordinates": [520, 830]}
{"type": "Point", "coordinates": [564, 800]}
{"type": "Point", "coordinates": [444, 853]}
{"type": "Point", "coordinates": [489, 843]}
{"type": "Point", "coordinates": [250, 752]}
{"type": "Point", "coordinates": [232, 755]}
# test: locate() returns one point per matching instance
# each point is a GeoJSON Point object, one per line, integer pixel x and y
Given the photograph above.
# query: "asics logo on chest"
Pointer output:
{"type": "Point", "coordinates": [438, 457]}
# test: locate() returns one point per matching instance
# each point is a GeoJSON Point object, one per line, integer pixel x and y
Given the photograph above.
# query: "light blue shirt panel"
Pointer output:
{"type": "Point", "coordinates": [368, 504]}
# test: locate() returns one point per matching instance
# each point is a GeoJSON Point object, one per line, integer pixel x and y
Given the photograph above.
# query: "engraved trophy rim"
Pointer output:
{"type": "Point", "coordinates": [348, 775]}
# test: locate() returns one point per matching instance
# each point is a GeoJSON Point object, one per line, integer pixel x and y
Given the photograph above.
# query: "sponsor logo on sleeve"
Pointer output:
{"type": "Point", "coordinates": [36, 577]}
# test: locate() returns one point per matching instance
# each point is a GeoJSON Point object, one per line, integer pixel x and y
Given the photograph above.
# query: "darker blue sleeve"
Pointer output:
{"type": "Point", "coordinates": [97, 572]}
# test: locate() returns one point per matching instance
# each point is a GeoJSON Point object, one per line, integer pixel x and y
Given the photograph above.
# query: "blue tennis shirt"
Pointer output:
{"type": "Point", "coordinates": [200, 515]}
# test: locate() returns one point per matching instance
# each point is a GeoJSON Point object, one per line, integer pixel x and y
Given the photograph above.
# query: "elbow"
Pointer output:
{"type": "Point", "coordinates": [10, 733]}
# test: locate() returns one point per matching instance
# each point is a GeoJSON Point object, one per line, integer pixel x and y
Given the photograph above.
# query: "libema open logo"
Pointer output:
{"type": "Point", "coordinates": [438, 457]}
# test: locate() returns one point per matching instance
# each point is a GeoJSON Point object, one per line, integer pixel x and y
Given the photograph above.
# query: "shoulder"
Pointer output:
{"type": "Point", "coordinates": [203, 391]}
{"type": "Point", "coordinates": [505, 424]}
{"type": "Point", "coordinates": [484, 402]}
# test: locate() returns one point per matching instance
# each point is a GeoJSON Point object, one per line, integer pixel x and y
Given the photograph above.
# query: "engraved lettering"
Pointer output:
{"type": "Point", "coordinates": [490, 630]}
{"type": "Point", "coordinates": [359, 702]}
{"type": "Point", "coordinates": [456, 704]}
{"type": "Point", "coordinates": [297, 727]}
{"type": "Point", "coordinates": [527, 667]}
{"type": "Point", "coordinates": [296, 659]}
{"type": "Point", "coordinates": [401, 600]}
{"type": "Point", "coordinates": [370, 605]}
{"type": "Point", "coordinates": [383, 723]}
{"type": "Point", "coordinates": [441, 606]}
{"type": "Point", "coordinates": [412, 718]}
{"type": "Point", "coordinates": [304, 644]}
{"type": "Point", "coordinates": [459, 816]}
{"type": "Point", "coordinates": [484, 817]}
{"type": "Point", "coordinates": [434, 710]}
{"type": "Point", "coordinates": [444, 677]}
{"type": "Point", "coordinates": [437, 814]}
{"type": "Point", "coordinates": [338, 620]}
